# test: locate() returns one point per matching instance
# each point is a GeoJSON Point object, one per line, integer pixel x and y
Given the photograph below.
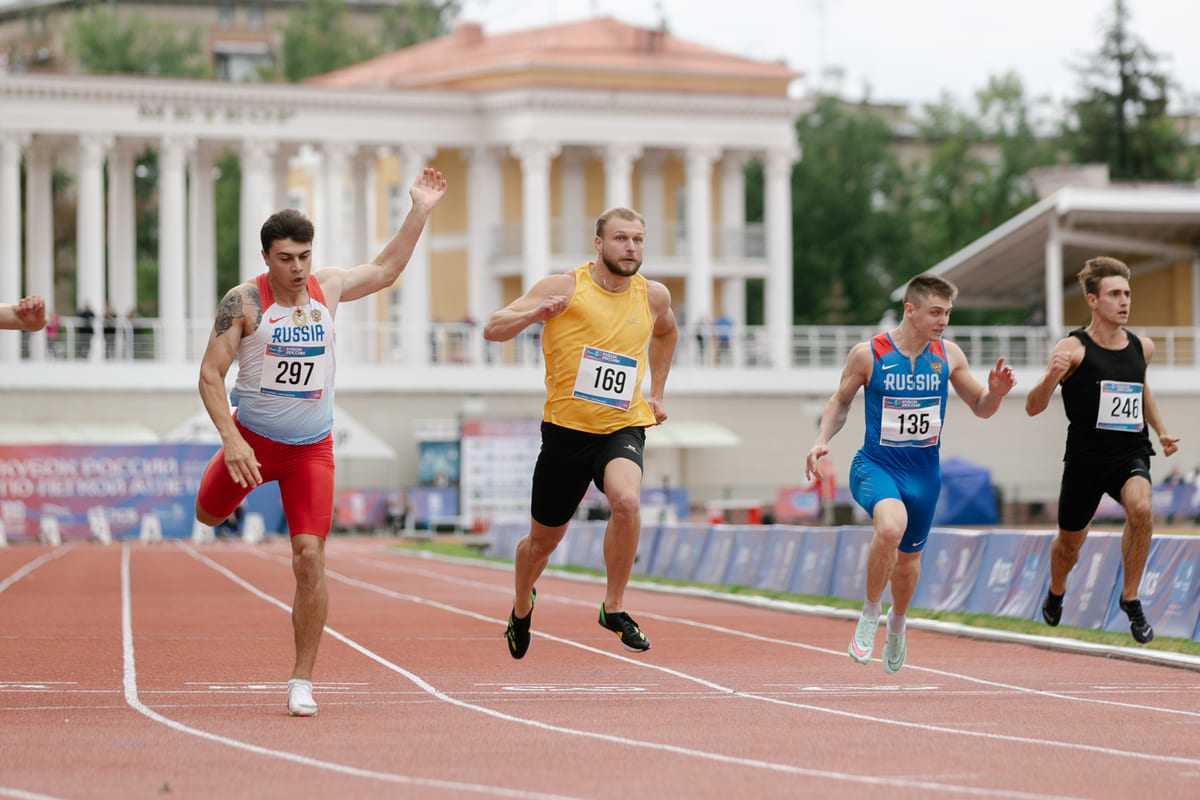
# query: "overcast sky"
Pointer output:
{"type": "Point", "coordinates": [904, 51]}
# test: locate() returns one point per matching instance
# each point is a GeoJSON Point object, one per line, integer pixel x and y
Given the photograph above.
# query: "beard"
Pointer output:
{"type": "Point", "coordinates": [617, 268]}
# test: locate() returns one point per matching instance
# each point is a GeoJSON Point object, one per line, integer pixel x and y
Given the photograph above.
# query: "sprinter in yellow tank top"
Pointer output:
{"type": "Point", "coordinates": [603, 325]}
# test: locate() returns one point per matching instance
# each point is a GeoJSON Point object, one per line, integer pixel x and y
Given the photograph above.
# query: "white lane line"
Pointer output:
{"type": "Point", "coordinates": [841, 654]}
{"type": "Point", "coordinates": [20, 794]}
{"type": "Point", "coordinates": [32, 565]}
{"type": "Point", "coordinates": [131, 698]}
{"type": "Point", "coordinates": [882, 781]}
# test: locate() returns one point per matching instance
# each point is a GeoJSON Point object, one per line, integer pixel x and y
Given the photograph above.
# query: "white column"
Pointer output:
{"type": "Point", "coordinates": [732, 206]}
{"type": "Point", "coordinates": [416, 295]}
{"type": "Point", "coordinates": [11, 143]}
{"type": "Point", "coordinates": [335, 157]}
{"type": "Point", "coordinates": [732, 215]}
{"type": "Point", "coordinates": [535, 157]}
{"type": "Point", "coordinates": [281, 174]}
{"type": "Point", "coordinates": [777, 221]}
{"type": "Point", "coordinates": [172, 246]}
{"type": "Point", "coordinates": [1195, 305]}
{"type": "Point", "coordinates": [122, 229]}
{"type": "Point", "coordinates": [650, 188]}
{"type": "Point", "coordinates": [363, 224]}
{"type": "Point", "coordinates": [1054, 283]}
{"type": "Point", "coordinates": [39, 235]}
{"type": "Point", "coordinates": [89, 234]}
{"type": "Point", "coordinates": [257, 203]}
{"type": "Point", "coordinates": [699, 284]}
{"type": "Point", "coordinates": [202, 233]}
{"type": "Point", "coordinates": [572, 192]}
{"type": "Point", "coordinates": [618, 174]}
{"type": "Point", "coordinates": [484, 194]}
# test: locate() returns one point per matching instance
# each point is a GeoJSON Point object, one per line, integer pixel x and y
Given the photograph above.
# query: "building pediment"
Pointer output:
{"type": "Point", "coordinates": [598, 53]}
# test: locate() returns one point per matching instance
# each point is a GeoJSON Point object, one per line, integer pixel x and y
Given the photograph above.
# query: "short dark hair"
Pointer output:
{"type": "Point", "coordinates": [927, 285]}
{"type": "Point", "coordinates": [621, 213]}
{"type": "Point", "coordinates": [1097, 269]}
{"type": "Point", "coordinates": [286, 224]}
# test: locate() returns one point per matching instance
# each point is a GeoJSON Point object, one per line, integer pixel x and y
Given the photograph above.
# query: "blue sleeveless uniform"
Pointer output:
{"type": "Point", "coordinates": [905, 409]}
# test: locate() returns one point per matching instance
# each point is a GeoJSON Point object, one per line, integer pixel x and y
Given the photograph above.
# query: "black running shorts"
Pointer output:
{"type": "Point", "coordinates": [569, 460]}
{"type": "Point", "coordinates": [1084, 482]}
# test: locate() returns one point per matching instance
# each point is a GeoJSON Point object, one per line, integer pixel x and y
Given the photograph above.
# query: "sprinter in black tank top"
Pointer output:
{"type": "Point", "coordinates": [1102, 370]}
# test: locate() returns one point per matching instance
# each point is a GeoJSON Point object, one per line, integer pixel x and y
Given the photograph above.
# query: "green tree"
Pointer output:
{"type": "Point", "coordinates": [851, 240]}
{"type": "Point", "coordinates": [318, 37]}
{"type": "Point", "coordinates": [415, 21]}
{"type": "Point", "coordinates": [103, 41]}
{"type": "Point", "coordinates": [975, 176]}
{"type": "Point", "coordinates": [1121, 120]}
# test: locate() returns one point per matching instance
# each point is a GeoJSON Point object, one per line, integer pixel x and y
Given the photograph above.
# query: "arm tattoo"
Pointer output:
{"type": "Point", "coordinates": [229, 310]}
{"type": "Point", "coordinates": [233, 308]}
{"type": "Point", "coordinates": [256, 301]}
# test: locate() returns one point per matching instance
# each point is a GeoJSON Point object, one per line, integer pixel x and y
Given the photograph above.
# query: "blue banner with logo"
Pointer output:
{"type": "Point", "coordinates": [1091, 584]}
{"type": "Point", "coordinates": [813, 570]}
{"type": "Point", "coordinates": [714, 559]}
{"type": "Point", "coordinates": [1013, 575]}
{"type": "Point", "coordinates": [1168, 591]}
{"type": "Point", "coordinates": [850, 562]}
{"type": "Point", "coordinates": [750, 547]}
{"type": "Point", "coordinates": [783, 547]}
{"type": "Point", "coordinates": [950, 567]}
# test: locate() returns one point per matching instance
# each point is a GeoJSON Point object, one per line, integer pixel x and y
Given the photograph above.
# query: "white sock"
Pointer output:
{"type": "Point", "coordinates": [299, 682]}
{"type": "Point", "coordinates": [872, 610]}
{"type": "Point", "coordinates": [895, 622]}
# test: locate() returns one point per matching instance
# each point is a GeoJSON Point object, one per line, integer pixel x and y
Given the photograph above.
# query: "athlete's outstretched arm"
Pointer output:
{"type": "Point", "coordinates": [344, 285]}
{"type": "Point", "coordinates": [984, 401]}
{"type": "Point", "coordinates": [661, 349]}
{"type": "Point", "coordinates": [855, 375]}
{"type": "Point", "coordinates": [545, 299]}
{"type": "Point", "coordinates": [27, 315]}
{"type": "Point", "coordinates": [238, 314]}
{"type": "Point", "coordinates": [1169, 443]}
{"type": "Point", "coordinates": [1066, 356]}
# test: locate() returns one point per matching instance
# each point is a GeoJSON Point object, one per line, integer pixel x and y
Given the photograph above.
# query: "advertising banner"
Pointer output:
{"type": "Point", "coordinates": [1091, 584]}
{"type": "Point", "coordinates": [783, 548]}
{"type": "Point", "coordinates": [1013, 575]}
{"type": "Point", "coordinates": [1169, 591]}
{"type": "Point", "coordinates": [949, 568]}
{"type": "Point", "coordinates": [118, 483]}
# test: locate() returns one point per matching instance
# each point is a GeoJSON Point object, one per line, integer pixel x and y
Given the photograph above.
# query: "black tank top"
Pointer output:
{"type": "Point", "coordinates": [1081, 398]}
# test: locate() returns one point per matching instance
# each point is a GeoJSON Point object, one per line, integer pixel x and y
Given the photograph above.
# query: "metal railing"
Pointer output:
{"type": "Point", "coordinates": [460, 344]}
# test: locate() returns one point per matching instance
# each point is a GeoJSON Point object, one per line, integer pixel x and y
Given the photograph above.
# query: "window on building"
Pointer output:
{"type": "Point", "coordinates": [225, 15]}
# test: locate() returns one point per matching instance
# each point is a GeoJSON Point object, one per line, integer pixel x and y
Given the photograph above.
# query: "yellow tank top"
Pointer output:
{"type": "Point", "coordinates": [595, 354]}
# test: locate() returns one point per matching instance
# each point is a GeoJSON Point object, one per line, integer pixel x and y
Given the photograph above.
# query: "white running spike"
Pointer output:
{"type": "Point", "coordinates": [151, 532]}
{"type": "Point", "coordinates": [201, 533]}
{"type": "Point", "coordinates": [3, 535]}
{"type": "Point", "coordinates": [254, 528]}
{"type": "Point", "coordinates": [48, 532]}
{"type": "Point", "coordinates": [98, 525]}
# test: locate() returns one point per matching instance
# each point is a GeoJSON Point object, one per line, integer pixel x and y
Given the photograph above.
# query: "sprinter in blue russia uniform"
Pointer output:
{"type": "Point", "coordinates": [896, 474]}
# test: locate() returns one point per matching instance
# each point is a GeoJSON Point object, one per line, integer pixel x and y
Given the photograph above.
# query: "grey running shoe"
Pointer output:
{"type": "Point", "coordinates": [863, 643]}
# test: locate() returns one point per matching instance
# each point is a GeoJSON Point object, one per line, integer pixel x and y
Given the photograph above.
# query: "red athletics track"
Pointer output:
{"type": "Point", "coordinates": [156, 671]}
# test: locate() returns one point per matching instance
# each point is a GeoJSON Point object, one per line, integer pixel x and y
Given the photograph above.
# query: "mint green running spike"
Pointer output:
{"type": "Point", "coordinates": [894, 651]}
{"type": "Point", "coordinates": [863, 643]}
